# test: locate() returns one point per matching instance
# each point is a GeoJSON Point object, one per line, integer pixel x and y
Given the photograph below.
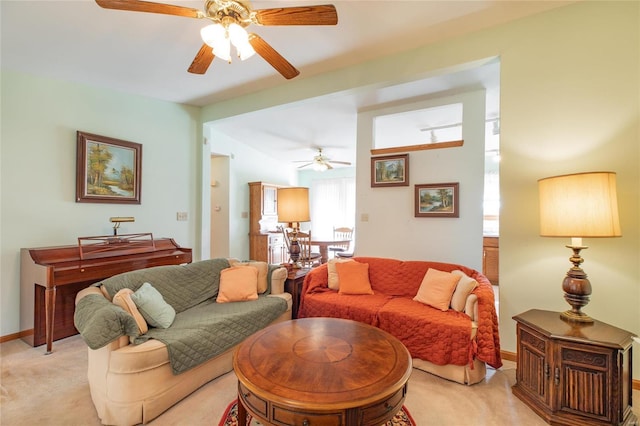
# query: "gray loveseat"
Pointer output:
{"type": "Point", "coordinates": [136, 374]}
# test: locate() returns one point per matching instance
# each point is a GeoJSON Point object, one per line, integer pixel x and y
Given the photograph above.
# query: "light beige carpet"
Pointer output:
{"type": "Point", "coordinates": [38, 389]}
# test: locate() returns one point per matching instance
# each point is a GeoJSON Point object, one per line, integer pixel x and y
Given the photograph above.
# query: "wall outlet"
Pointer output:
{"type": "Point", "coordinates": [182, 216]}
{"type": "Point", "coordinates": [244, 215]}
{"type": "Point", "coordinates": [364, 217]}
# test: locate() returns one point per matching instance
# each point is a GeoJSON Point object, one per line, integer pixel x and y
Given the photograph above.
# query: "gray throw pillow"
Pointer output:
{"type": "Point", "coordinates": [152, 306]}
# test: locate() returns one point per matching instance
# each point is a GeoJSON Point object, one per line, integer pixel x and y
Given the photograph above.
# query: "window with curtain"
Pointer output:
{"type": "Point", "coordinates": [333, 204]}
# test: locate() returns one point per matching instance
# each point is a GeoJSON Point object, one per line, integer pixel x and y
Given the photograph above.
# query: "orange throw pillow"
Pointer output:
{"type": "Point", "coordinates": [353, 278]}
{"type": "Point", "coordinates": [263, 271]}
{"type": "Point", "coordinates": [238, 284]}
{"type": "Point", "coordinates": [436, 289]}
{"type": "Point", "coordinates": [334, 281]}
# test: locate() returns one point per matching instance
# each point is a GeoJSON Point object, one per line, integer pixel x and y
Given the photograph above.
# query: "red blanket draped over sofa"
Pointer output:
{"type": "Point", "coordinates": [428, 333]}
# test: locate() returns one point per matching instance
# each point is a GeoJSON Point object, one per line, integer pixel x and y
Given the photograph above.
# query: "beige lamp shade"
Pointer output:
{"type": "Point", "coordinates": [579, 205]}
{"type": "Point", "coordinates": [293, 204]}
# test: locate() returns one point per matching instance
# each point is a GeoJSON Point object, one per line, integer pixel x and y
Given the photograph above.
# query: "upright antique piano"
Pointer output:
{"type": "Point", "coordinates": [50, 277]}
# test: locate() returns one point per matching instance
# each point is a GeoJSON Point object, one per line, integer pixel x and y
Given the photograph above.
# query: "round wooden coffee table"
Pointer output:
{"type": "Point", "coordinates": [321, 371]}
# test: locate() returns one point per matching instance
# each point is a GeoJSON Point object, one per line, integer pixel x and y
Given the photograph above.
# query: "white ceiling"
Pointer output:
{"type": "Point", "coordinates": [148, 54]}
{"type": "Point", "coordinates": [294, 132]}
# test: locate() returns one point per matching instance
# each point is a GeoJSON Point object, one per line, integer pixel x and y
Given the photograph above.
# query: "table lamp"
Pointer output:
{"type": "Point", "coordinates": [293, 208]}
{"type": "Point", "coordinates": [576, 206]}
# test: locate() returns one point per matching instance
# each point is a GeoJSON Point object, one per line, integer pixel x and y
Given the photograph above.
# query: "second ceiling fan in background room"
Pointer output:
{"type": "Point", "coordinates": [320, 163]}
{"type": "Point", "coordinates": [229, 19]}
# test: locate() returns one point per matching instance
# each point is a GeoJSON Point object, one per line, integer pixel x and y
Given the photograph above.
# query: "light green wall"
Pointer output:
{"type": "Point", "coordinates": [40, 118]}
{"type": "Point", "coordinates": [570, 91]}
{"type": "Point", "coordinates": [570, 85]}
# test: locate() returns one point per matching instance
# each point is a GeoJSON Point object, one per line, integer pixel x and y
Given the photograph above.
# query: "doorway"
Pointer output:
{"type": "Point", "coordinates": [219, 221]}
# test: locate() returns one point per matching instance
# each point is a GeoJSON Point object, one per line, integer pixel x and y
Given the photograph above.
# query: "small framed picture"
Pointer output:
{"type": "Point", "coordinates": [437, 200]}
{"type": "Point", "coordinates": [390, 170]}
{"type": "Point", "coordinates": [108, 170]}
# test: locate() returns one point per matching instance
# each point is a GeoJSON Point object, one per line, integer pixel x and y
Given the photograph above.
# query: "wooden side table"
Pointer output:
{"type": "Point", "coordinates": [574, 373]}
{"type": "Point", "coordinates": [293, 286]}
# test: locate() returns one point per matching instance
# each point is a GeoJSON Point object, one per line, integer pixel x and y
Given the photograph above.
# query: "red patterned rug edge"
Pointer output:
{"type": "Point", "coordinates": [223, 420]}
{"type": "Point", "coordinates": [413, 422]}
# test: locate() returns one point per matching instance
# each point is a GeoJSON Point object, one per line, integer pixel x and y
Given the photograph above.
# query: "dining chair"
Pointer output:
{"type": "Point", "coordinates": [308, 258]}
{"type": "Point", "coordinates": [341, 234]}
{"type": "Point", "coordinates": [348, 253]}
{"type": "Point", "coordinates": [285, 234]}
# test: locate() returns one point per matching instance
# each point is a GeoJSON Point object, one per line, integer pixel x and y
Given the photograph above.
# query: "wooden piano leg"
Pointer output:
{"type": "Point", "coordinates": [49, 309]}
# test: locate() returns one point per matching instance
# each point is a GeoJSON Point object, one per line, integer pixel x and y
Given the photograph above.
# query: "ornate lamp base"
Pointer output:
{"type": "Point", "coordinates": [577, 289]}
{"type": "Point", "coordinates": [294, 253]}
{"type": "Point", "coordinates": [572, 316]}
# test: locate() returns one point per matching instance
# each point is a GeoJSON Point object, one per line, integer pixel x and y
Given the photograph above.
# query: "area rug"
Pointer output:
{"type": "Point", "coordinates": [230, 417]}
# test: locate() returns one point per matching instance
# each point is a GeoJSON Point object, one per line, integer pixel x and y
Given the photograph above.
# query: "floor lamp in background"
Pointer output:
{"type": "Point", "coordinates": [576, 206]}
{"type": "Point", "coordinates": [293, 208]}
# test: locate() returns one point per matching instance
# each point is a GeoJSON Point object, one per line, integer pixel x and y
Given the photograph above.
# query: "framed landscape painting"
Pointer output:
{"type": "Point", "coordinates": [390, 170]}
{"type": "Point", "coordinates": [437, 200]}
{"type": "Point", "coordinates": [108, 170]}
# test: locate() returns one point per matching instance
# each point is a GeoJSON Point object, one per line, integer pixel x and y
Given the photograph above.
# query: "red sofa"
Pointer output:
{"type": "Point", "coordinates": [451, 344]}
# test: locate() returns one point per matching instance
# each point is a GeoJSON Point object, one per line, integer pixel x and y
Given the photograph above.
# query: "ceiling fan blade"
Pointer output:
{"type": "Point", "coordinates": [346, 163]}
{"type": "Point", "coordinates": [270, 55]}
{"type": "Point", "coordinates": [329, 167]}
{"type": "Point", "coordinates": [310, 15]}
{"type": "Point", "coordinates": [305, 165]}
{"type": "Point", "coordinates": [147, 6]}
{"type": "Point", "coordinates": [203, 59]}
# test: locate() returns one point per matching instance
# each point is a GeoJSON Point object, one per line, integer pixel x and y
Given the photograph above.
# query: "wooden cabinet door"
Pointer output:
{"type": "Point", "coordinates": [277, 249]}
{"type": "Point", "coordinates": [490, 259]}
{"type": "Point", "coordinates": [534, 365]}
{"type": "Point", "coordinates": [269, 200]}
{"type": "Point", "coordinates": [583, 379]}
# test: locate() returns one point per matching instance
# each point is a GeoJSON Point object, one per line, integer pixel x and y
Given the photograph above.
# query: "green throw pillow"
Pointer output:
{"type": "Point", "coordinates": [152, 306]}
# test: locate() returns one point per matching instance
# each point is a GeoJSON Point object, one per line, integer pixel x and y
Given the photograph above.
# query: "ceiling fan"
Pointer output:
{"type": "Point", "coordinates": [321, 163]}
{"type": "Point", "coordinates": [229, 19]}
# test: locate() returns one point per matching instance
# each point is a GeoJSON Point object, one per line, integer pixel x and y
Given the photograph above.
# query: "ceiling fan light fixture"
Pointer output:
{"type": "Point", "coordinates": [223, 50]}
{"type": "Point", "coordinates": [214, 35]}
{"type": "Point", "coordinates": [240, 39]}
{"type": "Point", "coordinates": [226, 15]}
{"type": "Point", "coordinates": [245, 52]}
{"type": "Point", "coordinates": [220, 37]}
{"type": "Point", "coordinates": [320, 167]}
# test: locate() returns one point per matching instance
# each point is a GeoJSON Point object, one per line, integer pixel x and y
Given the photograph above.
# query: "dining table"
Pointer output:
{"type": "Point", "coordinates": [324, 245]}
